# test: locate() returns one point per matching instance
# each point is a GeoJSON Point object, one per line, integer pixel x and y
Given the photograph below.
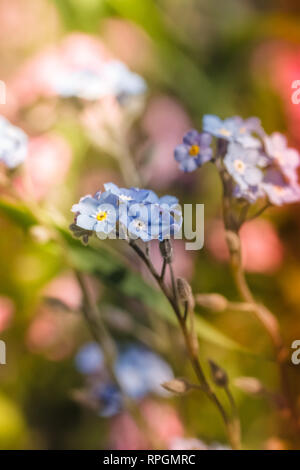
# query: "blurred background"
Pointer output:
{"type": "Point", "coordinates": [197, 57]}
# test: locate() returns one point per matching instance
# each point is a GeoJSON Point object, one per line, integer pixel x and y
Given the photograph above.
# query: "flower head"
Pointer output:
{"type": "Point", "coordinates": [13, 144]}
{"type": "Point", "coordinates": [234, 129]}
{"type": "Point", "coordinates": [113, 79]}
{"type": "Point", "coordinates": [285, 158]}
{"type": "Point", "coordinates": [278, 189]}
{"type": "Point", "coordinates": [89, 359]}
{"type": "Point", "coordinates": [243, 165]}
{"type": "Point", "coordinates": [97, 213]}
{"type": "Point", "coordinates": [141, 371]}
{"type": "Point", "coordinates": [194, 151]}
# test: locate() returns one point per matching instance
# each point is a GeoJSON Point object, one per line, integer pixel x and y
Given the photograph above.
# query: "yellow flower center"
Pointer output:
{"type": "Point", "coordinates": [101, 216]}
{"type": "Point", "coordinates": [239, 165]}
{"type": "Point", "coordinates": [224, 132]}
{"type": "Point", "coordinates": [194, 150]}
{"type": "Point", "coordinates": [279, 189]}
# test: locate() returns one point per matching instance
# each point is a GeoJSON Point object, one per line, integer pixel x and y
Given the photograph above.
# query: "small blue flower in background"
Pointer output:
{"type": "Point", "coordinates": [141, 371]}
{"type": "Point", "coordinates": [242, 164]}
{"type": "Point", "coordinates": [89, 359]}
{"type": "Point", "coordinates": [194, 151]}
{"type": "Point", "coordinates": [13, 144]}
{"type": "Point", "coordinates": [234, 129]}
{"type": "Point", "coordinates": [114, 79]}
{"type": "Point", "coordinates": [251, 194]}
{"type": "Point", "coordinates": [287, 159]}
{"type": "Point", "coordinates": [110, 399]}
{"type": "Point", "coordinates": [98, 213]}
{"type": "Point", "coordinates": [124, 83]}
{"type": "Point", "coordinates": [83, 83]}
{"type": "Point", "coordinates": [278, 189]}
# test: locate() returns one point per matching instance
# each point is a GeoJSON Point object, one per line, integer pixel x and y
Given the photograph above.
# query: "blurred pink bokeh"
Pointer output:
{"type": "Point", "coordinates": [165, 122]}
{"type": "Point", "coordinates": [262, 250]}
{"type": "Point", "coordinates": [163, 424]}
{"type": "Point", "coordinates": [6, 312]}
{"type": "Point", "coordinates": [47, 164]}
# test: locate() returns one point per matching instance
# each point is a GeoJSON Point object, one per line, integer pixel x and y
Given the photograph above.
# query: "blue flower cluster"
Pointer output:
{"type": "Point", "coordinates": [259, 165]}
{"type": "Point", "coordinates": [114, 79]}
{"type": "Point", "coordinates": [136, 213]}
{"type": "Point", "coordinates": [139, 371]}
{"type": "Point", "coordinates": [13, 144]}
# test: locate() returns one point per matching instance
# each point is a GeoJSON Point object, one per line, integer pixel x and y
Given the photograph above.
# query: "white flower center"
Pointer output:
{"type": "Point", "coordinates": [239, 165]}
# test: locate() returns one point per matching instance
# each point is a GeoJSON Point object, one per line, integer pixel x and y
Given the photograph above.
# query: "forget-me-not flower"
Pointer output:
{"type": "Point", "coordinates": [194, 151]}
{"type": "Point", "coordinates": [287, 159]}
{"type": "Point", "coordinates": [97, 213]}
{"type": "Point", "coordinates": [234, 129]}
{"type": "Point", "coordinates": [243, 165]}
{"type": "Point", "coordinates": [13, 144]}
{"type": "Point", "coordinates": [278, 189]}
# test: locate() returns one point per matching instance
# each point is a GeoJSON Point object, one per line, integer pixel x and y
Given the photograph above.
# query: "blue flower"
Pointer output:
{"type": "Point", "coordinates": [126, 195]}
{"type": "Point", "coordinates": [234, 129]}
{"type": "Point", "coordinates": [141, 371]}
{"type": "Point", "coordinates": [110, 399]}
{"type": "Point", "coordinates": [150, 221]}
{"type": "Point", "coordinates": [89, 359]}
{"type": "Point", "coordinates": [278, 189]}
{"type": "Point", "coordinates": [194, 151]}
{"type": "Point", "coordinates": [82, 83]}
{"type": "Point", "coordinates": [13, 144]}
{"type": "Point", "coordinates": [124, 83]}
{"type": "Point", "coordinates": [97, 213]}
{"type": "Point", "coordinates": [243, 165]}
{"type": "Point", "coordinates": [114, 79]}
{"type": "Point", "coordinates": [285, 158]}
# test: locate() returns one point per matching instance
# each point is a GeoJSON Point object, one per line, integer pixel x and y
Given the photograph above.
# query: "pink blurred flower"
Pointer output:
{"type": "Point", "coordinates": [66, 289]}
{"type": "Point", "coordinates": [262, 250]}
{"type": "Point", "coordinates": [38, 75]}
{"type": "Point", "coordinates": [6, 312]}
{"type": "Point", "coordinates": [129, 42]}
{"type": "Point", "coordinates": [52, 334]}
{"type": "Point", "coordinates": [48, 161]}
{"type": "Point", "coordinates": [165, 122]}
{"type": "Point", "coordinates": [163, 425]}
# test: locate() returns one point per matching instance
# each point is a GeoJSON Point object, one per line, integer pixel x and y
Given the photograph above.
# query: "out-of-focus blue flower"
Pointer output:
{"type": "Point", "coordinates": [242, 164]}
{"type": "Point", "coordinates": [110, 399]}
{"type": "Point", "coordinates": [89, 359]}
{"type": "Point", "coordinates": [13, 144]}
{"type": "Point", "coordinates": [124, 83]}
{"type": "Point", "coordinates": [287, 159]}
{"type": "Point", "coordinates": [83, 83]}
{"type": "Point", "coordinates": [194, 151]}
{"type": "Point", "coordinates": [114, 78]}
{"type": "Point", "coordinates": [278, 189]}
{"type": "Point", "coordinates": [251, 194]}
{"type": "Point", "coordinates": [98, 213]}
{"type": "Point", "coordinates": [141, 371]}
{"type": "Point", "coordinates": [234, 129]}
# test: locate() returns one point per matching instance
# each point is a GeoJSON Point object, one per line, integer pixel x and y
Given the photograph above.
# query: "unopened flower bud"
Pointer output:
{"type": "Point", "coordinates": [166, 250]}
{"type": "Point", "coordinates": [218, 374]}
{"type": "Point", "coordinates": [250, 385]}
{"type": "Point", "coordinates": [215, 302]}
{"type": "Point", "coordinates": [185, 292]}
{"type": "Point", "coordinates": [177, 386]}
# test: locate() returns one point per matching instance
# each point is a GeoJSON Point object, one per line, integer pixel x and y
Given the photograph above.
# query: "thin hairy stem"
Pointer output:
{"type": "Point", "coordinates": [172, 295]}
